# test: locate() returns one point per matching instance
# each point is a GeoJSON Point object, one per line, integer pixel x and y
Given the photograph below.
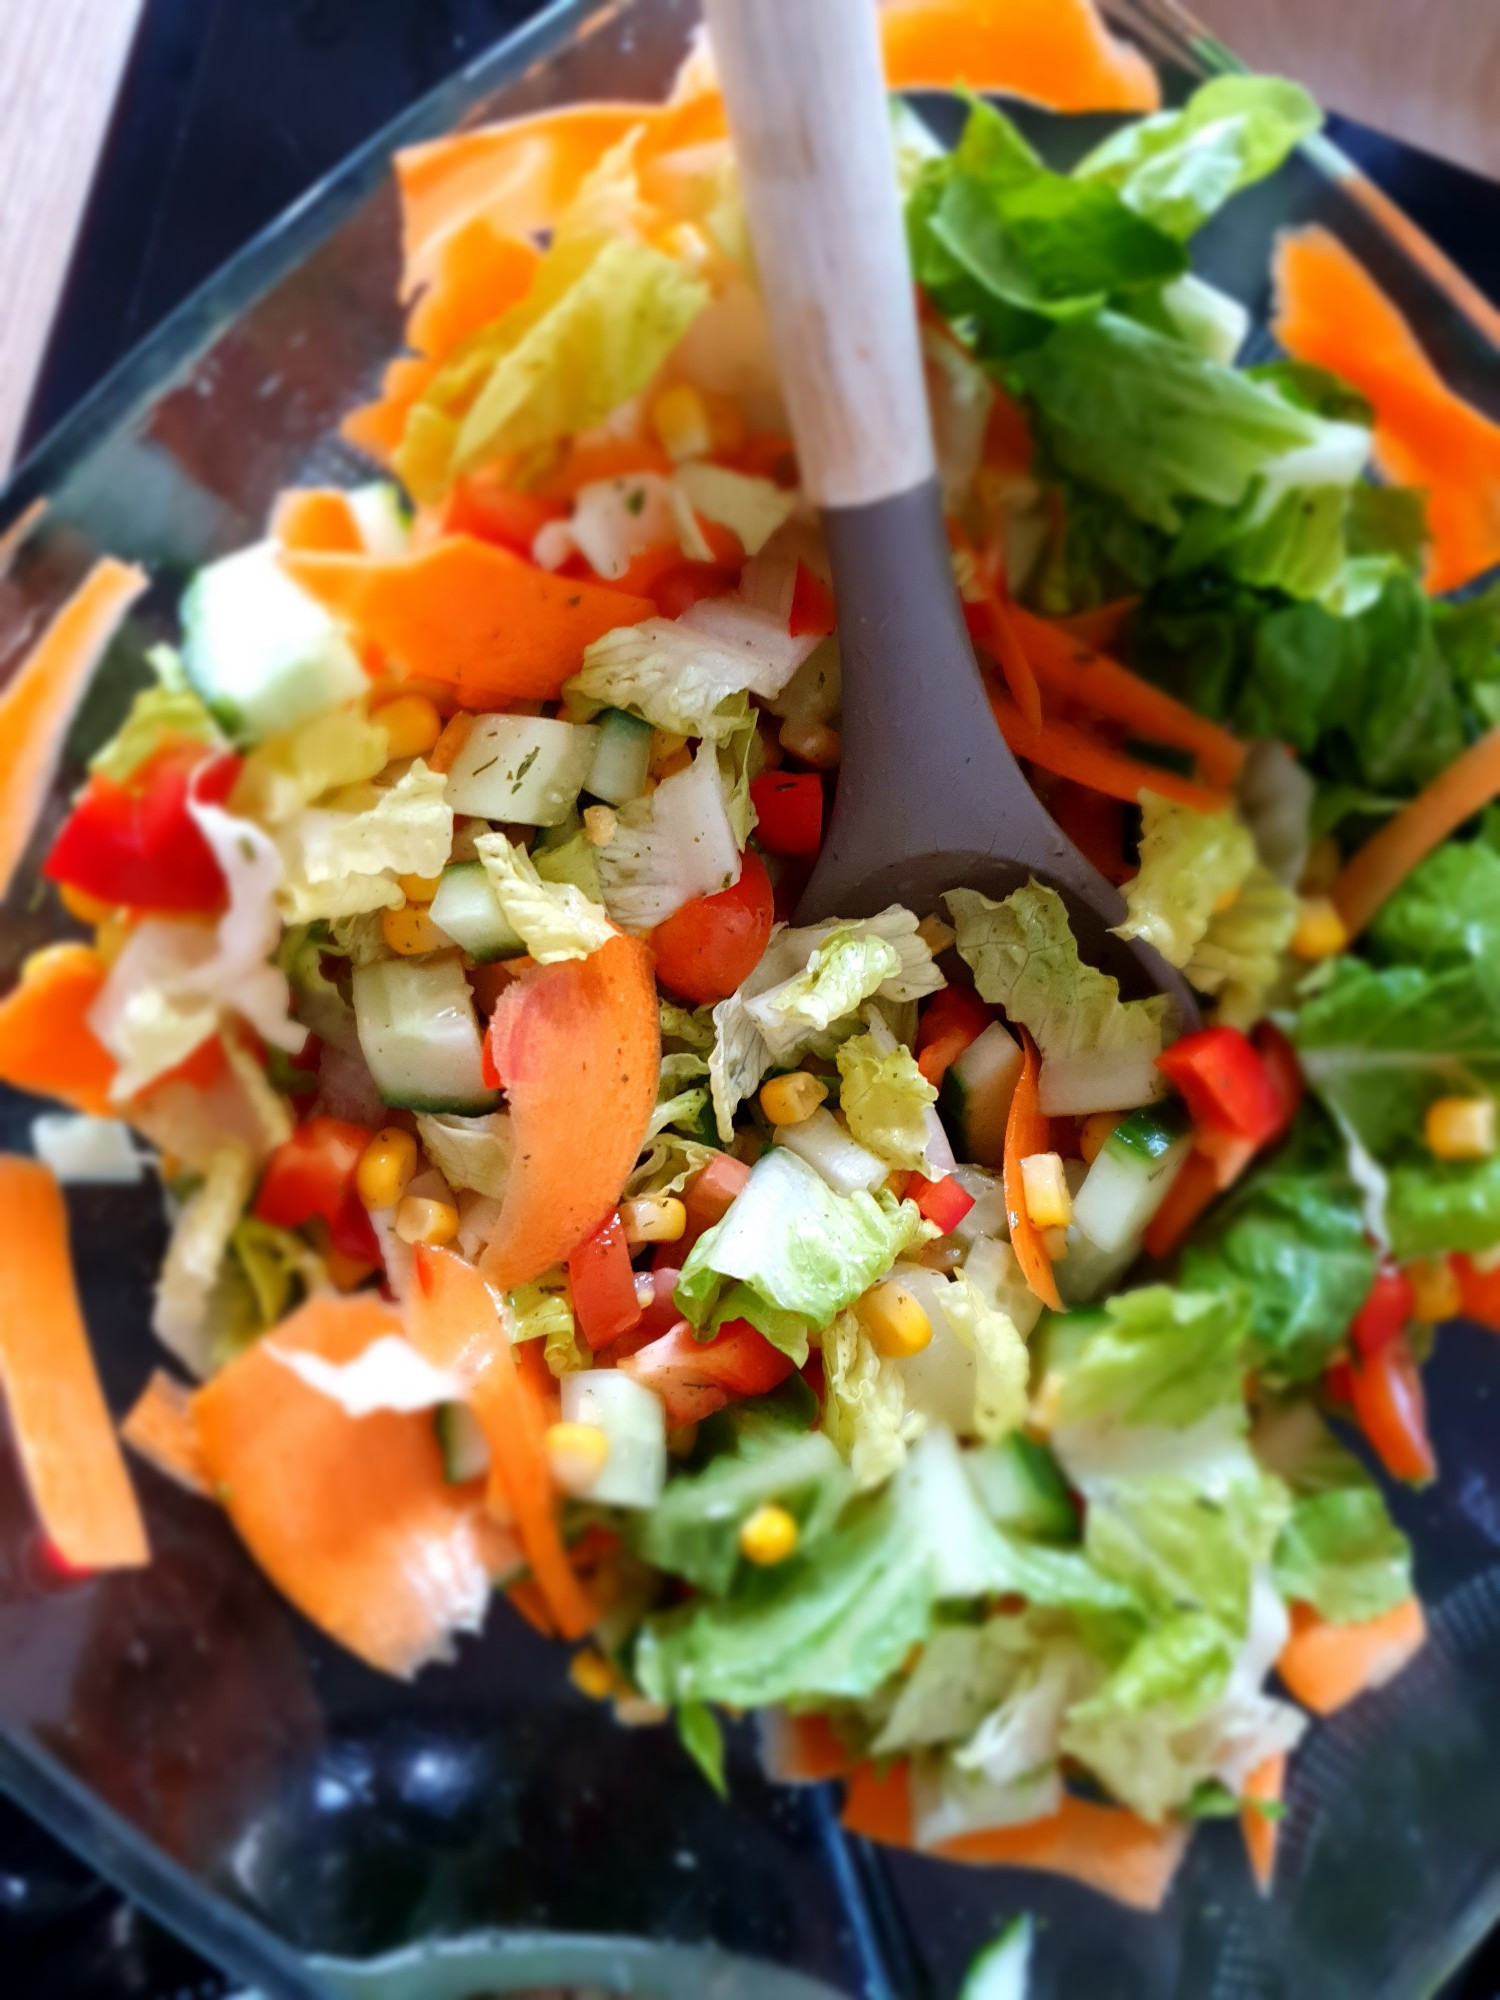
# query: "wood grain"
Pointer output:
{"type": "Point", "coordinates": [60, 68]}
{"type": "Point", "coordinates": [1427, 71]}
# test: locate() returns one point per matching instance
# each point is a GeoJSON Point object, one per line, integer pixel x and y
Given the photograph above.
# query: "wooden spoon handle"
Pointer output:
{"type": "Point", "coordinates": [807, 106]}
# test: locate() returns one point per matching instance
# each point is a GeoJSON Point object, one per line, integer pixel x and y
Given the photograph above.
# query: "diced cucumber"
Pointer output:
{"type": "Point", "coordinates": [987, 1217]}
{"type": "Point", "coordinates": [1131, 1175]}
{"type": "Point", "coordinates": [1091, 1081]}
{"type": "Point", "coordinates": [622, 757]}
{"type": "Point", "coordinates": [419, 1034]}
{"type": "Point", "coordinates": [381, 516]}
{"type": "Point", "coordinates": [525, 768]}
{"type": "Point", "coordinates": [262, 654]}
{"type": "Point", "coordinates": [992, 1265]}
{"type": "Point", "coordinates": [976, 1094]}
{"type": "Point", "coordinates": [466, 1454]}
{"type": "Point", "coordinates": [1002, 1970]}
{"type": "Point", "coordinates": [1084, 1272]}
{"type": "Point", "coordinates": [1020, 1487]}
{"type": "Point", "coordinates": [466, 909]}
{"type": "Point", "coordinates": [634, 1420]}
{"type": "Point", "coordinates": [843, 1162]}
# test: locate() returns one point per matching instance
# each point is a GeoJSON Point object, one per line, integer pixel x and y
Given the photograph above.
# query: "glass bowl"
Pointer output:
{"type": "Point", "coordinates": [300, 1819]}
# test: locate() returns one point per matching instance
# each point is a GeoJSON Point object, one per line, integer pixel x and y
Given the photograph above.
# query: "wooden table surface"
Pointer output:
{"type": "Point", "coordinates": [1427, 71]}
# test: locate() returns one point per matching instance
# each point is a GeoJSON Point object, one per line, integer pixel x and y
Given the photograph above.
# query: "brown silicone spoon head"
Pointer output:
{"type": "Point", "coordinates": [929, 796]}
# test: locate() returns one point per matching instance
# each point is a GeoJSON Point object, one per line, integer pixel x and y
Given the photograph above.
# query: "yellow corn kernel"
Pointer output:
{"type": "Point", "coordinates": [419, 888]}
{"type": "Point", "coordinates": [1095, 1130]}
{"type": "Point", "coordinates": [420, 1219]}
{"type": "Point", "coordinates": [1055, 1242]}
{"type": "Point", "coordinates": [80, 904]}
{"type": "Point", "coordinates": [768, 1537]}
{"type": "Point", "coordinates": [791, 1100]}
{"type": "Point", "coordinates": [679, 416]}
{"type": "Point", "coordinates": [576, 1455]}
{"type": "Point", "coordinates": [672, 763]}
{"type": "Point", "coordinates": [1321, 870]}
{"type": "Point", "coordinates": [385, 1166]}
{"type": "Point", "coordinates": [813, 742]}
{"type": "Point", "coordinates": [1045, 1186]}
{"type": "Point", "coordinates": [659, 1221]}
{"type": "Point", "coordinates": [1046, 1402]}
{"type": "Point", "coordinates": [935, 934]}
{"type": "Point", "coordinates": [410, 931]}
{"type": "Point", "coordinates": [592, 1675]}
{"type": "Point", "coordinates": [894, 1320]}
{"type": "Point", "coordinates": [1321, 931]}
{"type": "Point", "coordinates": [665, 744]}
{"type": "Point", "coordinates": [1435, 1291]}
{"type": "Point", "coordinates": [412, 725]}
{"type": "Point", "coordinates": [726, 421]}
{"type": "Point", "coordinates": [599, 825]}
{"type": "Point", "coordinates": [112, 936]}
{"type": "Point", "coordinates": [1460, 1128]}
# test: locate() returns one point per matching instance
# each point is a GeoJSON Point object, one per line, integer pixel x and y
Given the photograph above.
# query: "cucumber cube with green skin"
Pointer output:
{"type": "Point", "coordinates": [262, 654]}
{"type": "Point", "coordinates": [467, 910]}
{"type": "Point", "coordinates": [976, 1092]}
{"type": "Point", "coordinates": [1131, 1176]}
{"type": "Point", "coordinates": [622, 758]}
{"type": "Point", "coordinates": [1020, 1487]}
{"type": "Point", "coordinates": [527, 769]}
{"type": "Point", "coordinates": [634, 1422]}
{"type": "Point", "coordinates": [420, 1035]}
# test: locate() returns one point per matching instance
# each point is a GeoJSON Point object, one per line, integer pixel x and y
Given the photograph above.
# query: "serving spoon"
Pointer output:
{"type": "Point", "coordinates": [929, 795]}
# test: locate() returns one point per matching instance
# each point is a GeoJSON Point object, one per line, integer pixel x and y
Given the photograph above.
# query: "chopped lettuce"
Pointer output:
{"type": "Point", "coordinates": [159, 717]}
{"type": "Point", "coordinates": [182, 1318]}
{"type": "Point", "coordinates": [807, 987]}
{"type": "Point", "coordinates": [469, 1152]}
{"type": "Point", "coordinates": [1190, 863]}
{"type": "Point", "coordinates": [542, 1311]}
{"type": "Point", "coordinates": [790, 1253]}
{"type": "Point", "coordinates": [1340, 1551]}
{"type": "Point", "coordinates": [681, 677]}
{"type": "Point", "coordinates": [751, 508]}
{"type": "Point", "coordinates": [342, 859]}
{"type": "Point", "coordinates": [1241, 956]}
{"type": "Point", "coordinates": [692, 1026]}
{"type": "Point", "coordinates": [1002, 1363]}
{"type": "Point", "coordinates": [865, 1411]}
{"type": "Point", "coordinates": [1291, 1238]}
{"type": "Point", "coordinates": [884, 1098]}
{"type": "Point", "coordinates": [287, 772]}
{"type": "Point", "coordinates": [667, 1164]}
{"type": "Point", "coordinates": [670, 847]}
{"type": "Point", "coordinates": [699, 1733]}
{"type": "Point", "coordinates": [1156, 1356]}
{"type": "Point", "coordinates": [693, 1530]}
{"type": "Point", "coordinates": [1025, 959]}
{"type": "Point", "coordinates": [1446, 913]}
{"type": "Point", "coordinates": [1178, 168]}
{"type": "Point", "coordinates": [554, 920]}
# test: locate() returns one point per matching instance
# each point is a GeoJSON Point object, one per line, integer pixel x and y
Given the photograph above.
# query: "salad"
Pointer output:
{"type": "Point", "coordinates": [880, 1326]}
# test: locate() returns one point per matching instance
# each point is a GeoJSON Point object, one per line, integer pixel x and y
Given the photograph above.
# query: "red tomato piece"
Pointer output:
{"type": "Point", "coordinates": [943, 1202]}
{"type": "Point", "coordinates": [311, 1177]}
{"type": "Point", "coordinates": [812, 613]}
{"type": "Point", "coordinates": [788, 811]}
{"type": "Point", "coordinates": [137, 843]}
{"type": "Point", "coordinates": [1383, 1316]}
{"type": "Point", "coordinates": [705, 949]}
{"type": "Point", "coordinates": [1227, 1084]}
{"type": "Point", "coordinates": [494, 513]}
{"type": "Point", "coordinates": [708, 1195]}
{"type": "Point", "coordinates": [739, 1361]}
{"type": "Point", "coordinates": [1280, 1058]}
{"type": "Point", "coordinates": [680, 587]}
{"type": "Point", "coordinates": [1392, 1412]}
{"type": "Point", "coordinates": [603, 1285]}
{"type": "Point", "coordinates": [951, 1020]}
{"type": "Point", "coordinates": [661, 1314]}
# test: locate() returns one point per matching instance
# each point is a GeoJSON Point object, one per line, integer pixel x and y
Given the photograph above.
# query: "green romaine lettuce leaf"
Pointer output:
{"type": "Point", "coordinates": [790, 1253]}
{"type": "Point", "coordinates": [884, 1099]}
{"type": "Point", "coordinates": [1340, 1551]}
{"type": "Point", "coordinates": [681, 678]}
{"type": "Point", "coordinates": [554, 920]}
{"type": "Point", "coordinates": [1178, 168]}
{"type": "Point", "coordinates": [469, 1152]}
{"type": "Point", "coordinates": [542, 1311]}
{"type": "Point", "coordinates": [1190, 861]}
{"type": "Point", "coordinates": [699, 1733]}
{"type": "Point", "coordinates": [1155, 1356]}
{"type": "Point", "coordinates": [159, 716]}
{"type": "Point", "coordinates": [865, 1412]}
{"type": "Point", "coordinates": [1241, 957]}
{"type": "Point", "coordinates": [342, 861]}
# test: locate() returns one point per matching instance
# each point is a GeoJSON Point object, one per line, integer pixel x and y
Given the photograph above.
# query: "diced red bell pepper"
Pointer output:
{"type": "Point", "coordinates": [695, 1377]}
{"type": "Point", "coordinates": [951, 1020]}
{"type": "Point", "coordinates": [482, 507]}
{"type": "Point", "coordinates": [708, 1195]}
{"type": "Point", "coordinates": [1226, 1152]}
{"type": "Point", "coordinates": [1479, 1291]}
{"type": "Point", "coordinates": [1392, 1411]}
{"type": "Point", "coordinates": [1280, 1058]}
{"type": "Point", "coordinates": [312, 1176]}
{"type": "Point", "coordinates": [1338, 1382]}
{"type": "Point", "coordinates": [603, 1285]}
{"type": "Point", "coordinates": [1189, 1195]}
{"type": "Point", "coordinates": [812, 613]}
{"type": "Point", "coordinates": [137, 844]}
{"type": "Point", "coordinates": [1383, 1316]}
{"type": "Point", "coordinates": [788, 811]}
{"type": "Point", "coordinates": [1226, 1082]}
{"type": "Point", "coordinates": [681, 586]}
{"type": "Point", "coordinates": [943, 1203]}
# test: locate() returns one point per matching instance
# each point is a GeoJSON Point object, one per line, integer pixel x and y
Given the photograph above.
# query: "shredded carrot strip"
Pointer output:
{"type": "Point", "coordinates": [162, 1428]}
{"type": "Point", "coordinates": [1265, 1784]}
{"type": "Point", "coordinates": [1069, 752]}
{"type": "Point", "coordinates": [316, 520]}
{"type": "Point", "coordinates": [1103, 628]}
{"type": "Point", "coordinates": [1027, 1132]}
{"type": "Point", "coordinates": [1325, 1666]}
{"type": "Point", "coordinates": [1388, 857]}
{"type": "Point", "coordinates": [1004, 639]}
{"type": "Point", "coordinates": [46, 1043]}
{"type": "Point", "coordinates": [1098, 682]}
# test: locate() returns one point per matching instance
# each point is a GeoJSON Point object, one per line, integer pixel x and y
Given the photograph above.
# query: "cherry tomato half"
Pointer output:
{"type": "Point", "coordinates": [1392, 1412]}
{"type": "Point", "coordinates": [706, 948]}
